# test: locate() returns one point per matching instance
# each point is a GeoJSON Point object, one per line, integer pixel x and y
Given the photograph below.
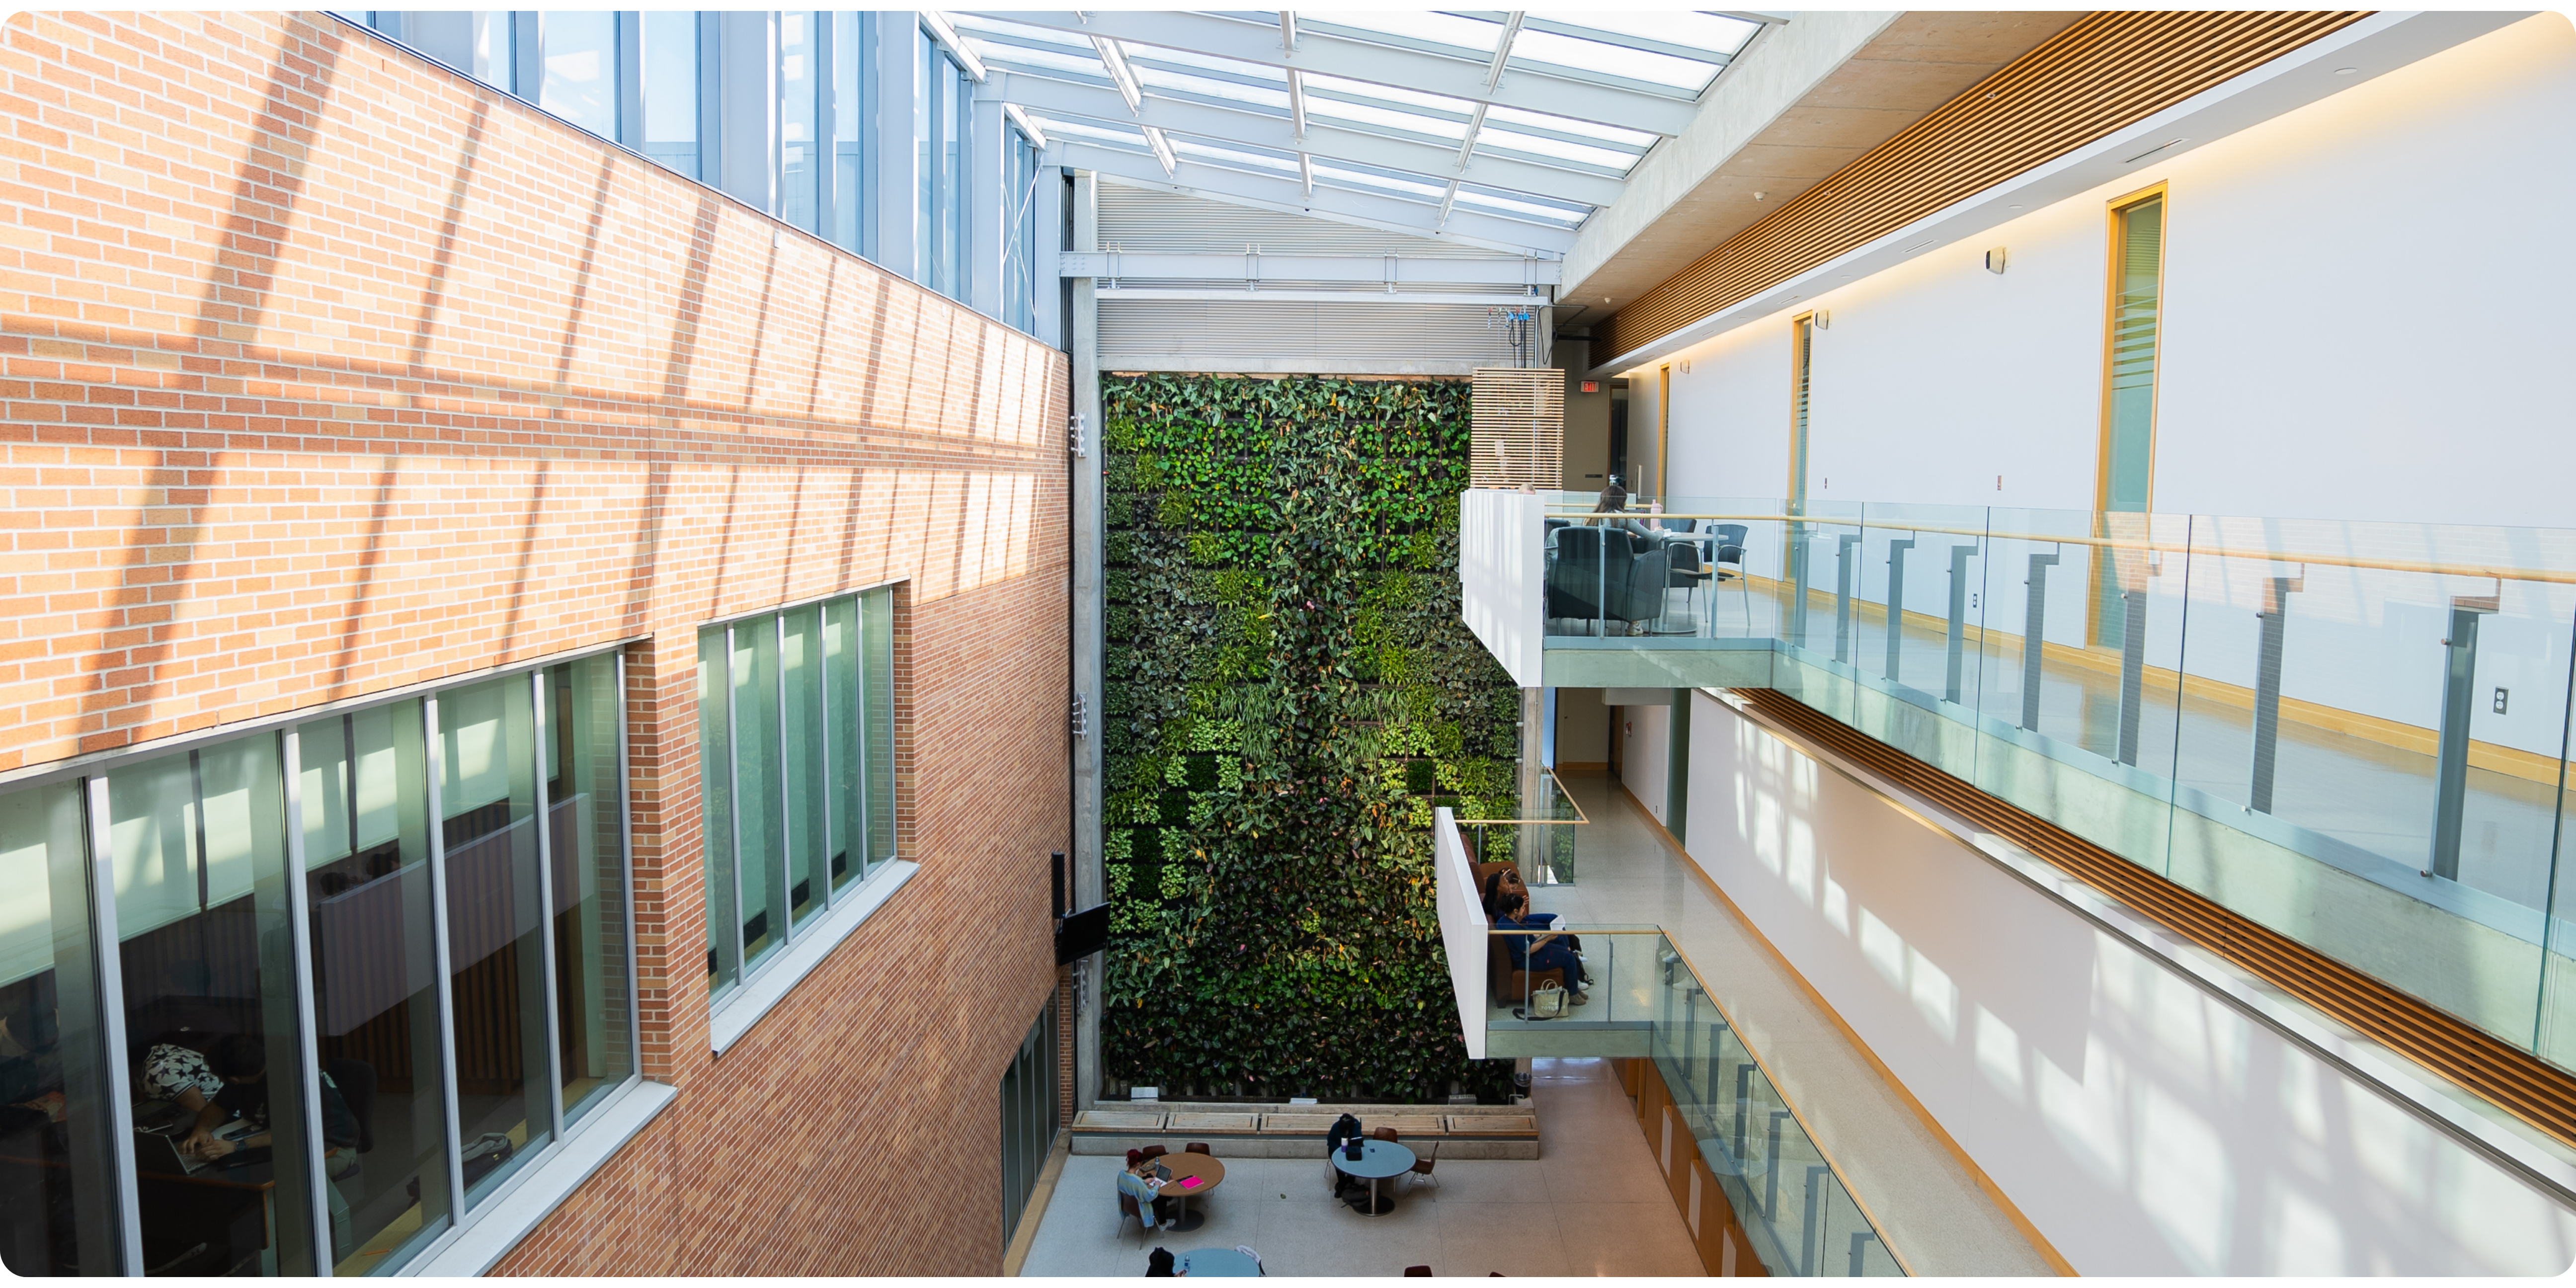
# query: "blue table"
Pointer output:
{"type": "Point", "coordinates": [1215, 1261]}
{"type": "Point", "coordinates": [1379, 1160]}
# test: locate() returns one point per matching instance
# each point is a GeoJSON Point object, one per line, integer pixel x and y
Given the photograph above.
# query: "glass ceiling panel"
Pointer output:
{"type": "Point", "coordinates": [1191, 58]}
{"type": "Point", "coordinates": [1609, 134]}
{"type": "Point", "coordinates": [1230, 156]}
{"type": "Point", "coordinates": [1615, 162]}
{"type": "Point", "coordinates": [1720, 36]}
{"type": "Point", "coordinates": [1153, 78]}
{"type": "Point", "coordinates": [1380, 182]}
{"type": "Point", "coordinates": [1468, 35]}
{"type": "Point", "coordinates": [1054, 125]}
{"type": "Point", "coordinates": [1529, 210]}
{"type": "Point", "coordinates": [1436, 127]}
{"type": "Point", "coordinates": [1612, 60]}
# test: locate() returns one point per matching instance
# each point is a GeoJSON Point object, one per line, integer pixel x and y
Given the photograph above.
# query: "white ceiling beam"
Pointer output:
{"type": "Point", "coordinates": [1162, 151]}
{"type": "Point", "coordinates": [1507, 271]}
{"type": "Point", "coordinates": [1502, 55]}
{"type": "Point", "coordinates": [1288, 31]}
{"type": "Point", "coordinates": [1334, 55]}
{"type": "Point", "coordinates": [1252, 126]}
{"type": "Point", "coordinates": [1297, 101]}
{"type": "Point", "coordinates": [1367, 210]}
{"type": "Point", "coordinates": [1120, 74]}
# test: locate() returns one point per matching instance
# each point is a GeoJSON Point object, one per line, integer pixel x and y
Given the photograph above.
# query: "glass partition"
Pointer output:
{"type": "Point", "coordinates": [1645, 1000]}
{"type": "Point", "coordinates": [2355, 734]}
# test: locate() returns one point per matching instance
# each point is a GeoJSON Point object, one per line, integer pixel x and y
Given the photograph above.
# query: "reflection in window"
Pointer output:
{"type": "Point", "coordinates": [579, 54]}
{"type": "Point", "coordinates": [799, 81]}
{"type": "Point", "coordinates": [852, 223]}
{"type": "Point", "coordinates": [364, 789]}
{"type": "Point", "coordinates": [586, 795]}
{"type": "Point", "coordinates": [796, 754]}
{"type": "Point", "coordinates": [487, 794]}
{"type": "Point", "coordinates": [197, 845]}
{"type": "Point", "coordinates": [57, 1205]}
{"type": "Point", "coordinates": [925, 144]}
{"type": "Point", "coordinates": [671, 89]}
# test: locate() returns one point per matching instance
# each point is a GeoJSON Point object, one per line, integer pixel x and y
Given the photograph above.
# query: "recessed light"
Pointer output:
{"type": "Point", "coordinates": [2347, 71]}
{"type": "Point", "coordinates": [2012, 207]}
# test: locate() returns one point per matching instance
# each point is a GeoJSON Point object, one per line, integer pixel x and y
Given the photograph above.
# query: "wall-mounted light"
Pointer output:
{"type": "Point", "coordinates": [1824, 320]}
{"type": "Point", "coordinates": [1995, 260]}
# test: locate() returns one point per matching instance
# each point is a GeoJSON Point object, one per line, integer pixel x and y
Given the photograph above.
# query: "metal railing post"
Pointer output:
{"type": "Point", "coordinates": [2274, 622]}
{"type": "Point", "coordinates": [1959, 557]}
{"type": "Point", "coordinates": [1842, 595]}
{"type": "Point", "coordinates": [2033, 641]}
{"type": "Point", "coordinates": [1896, 605]}
{"type": "Point", "coordinates": [2451, 762]}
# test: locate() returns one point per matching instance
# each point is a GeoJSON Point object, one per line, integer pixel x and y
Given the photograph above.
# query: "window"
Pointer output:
{"type": "Point", "coordinates": [853, 223]}
{"type": "Point", "coordinates": [1802, 388]}
{"type": "Point", "coordinates": [1020, 216]}
{"type": "Point", "coordinates": [579, 56]}
{"type": "Point", "coordinates": [1029, 1117]}
{"type": "Point", "coordinates": [281, 951]}
{"type": "Point", "coordinates": [671, 89]}
{"type": "Point", "coordinates": [2130, 343]}
{"type": "Point", "coordinates": [796, 770]}
{"type": "Point", "coordinates": [800, 88]}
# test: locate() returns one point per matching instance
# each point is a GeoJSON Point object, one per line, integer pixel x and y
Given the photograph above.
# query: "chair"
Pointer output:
{"type": "Point", "coordinates": [1246, 1249]}
{"type": "Point", "coordinates": [1198, 1147]}
{"type": "Point", "coordinates": [1686, 574]}
{"type": "Point", "coordinates": [1127, 1208]}
{"type": "Point", "coordinates": [1609, 574]}
{"type": "Point", "coordinates": [1422, 1166]}
{"type": "Point", "coordinates": [1152, 1151]}
{"type": "Point", "coordinates": [1512, 985]}
{"type": "Point", "coordinates": [1729, 553]}
{"type": "Point", "coordinates": [1387, 1134]}
{"type": "Point", "coordinates": [356, 1080]}
{"type": "Point", "coordinates": [1417, 1272]}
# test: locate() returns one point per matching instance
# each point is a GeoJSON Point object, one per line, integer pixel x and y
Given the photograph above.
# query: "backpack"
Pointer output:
{"type": "Point", "coordinates": [484, 1153]}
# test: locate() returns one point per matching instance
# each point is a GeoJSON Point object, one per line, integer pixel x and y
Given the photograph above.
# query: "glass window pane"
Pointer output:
{"type": "Point", "coordinates": [849, 144]}
{"type": "Point", "coordinates": [198, 847]}
{"type": "Point", "coordinates": [800, 662]}
{"type": "Point", "coordinates": [799, 167]}
{"type": "Point", "coordinates": [593, 1000]}
{"type": "Point", "coordinates": [925, 144]}
{"type": "Point", "coordinates": [756, 773]}
{"type": "Point", "coordinates": [495, 946]}
{"type": "Point", "coordinates": [671, 89]}
{"type": "Point", "coordinates": [57, 1199]}
{"type": "Point", "coordinates": [955, 115]}
{"type": "Point", "coordinates": [844, 716]}
{"type": "Point", "coordinates": [715, 793]}
{"type": "Point", "coordinates": [492, 50]}
{"type": "Point", "coordinates": [876, 610]}
{"type": "Point", "coordinates": [364, 788]}
{"type": "Point", "coordinates": [580, 57]}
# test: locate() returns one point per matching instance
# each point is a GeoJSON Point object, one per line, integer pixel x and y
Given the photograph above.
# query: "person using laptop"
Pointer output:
{"type": "Point", "coordinates": [231, 1079]}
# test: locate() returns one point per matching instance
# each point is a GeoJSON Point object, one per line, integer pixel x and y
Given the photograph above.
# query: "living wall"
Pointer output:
{"type": "Point", "coordinates": [1290, 691]}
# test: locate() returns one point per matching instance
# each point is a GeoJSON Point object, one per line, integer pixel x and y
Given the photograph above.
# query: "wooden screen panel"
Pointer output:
{"type": "Point", "coordinates": [1519, 427]}
{"type": "Point", "coordinates": [2514, 1080]}
{"type": "Point", "coordinates": [2106, 72]}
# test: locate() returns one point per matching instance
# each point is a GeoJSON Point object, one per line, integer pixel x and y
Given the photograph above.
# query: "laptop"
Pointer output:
{"type": "Point", "coordinates": [154, 1152]}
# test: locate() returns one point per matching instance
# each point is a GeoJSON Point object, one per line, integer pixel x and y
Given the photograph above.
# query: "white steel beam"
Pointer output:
{"type": "Point", "coordinates": [1324, 140]}
{"type": "Point", "coordinates": [1396, 270]}
{"type": "Point", "coordinates": [1335, 55]}
{"type": "Point", "coordinates": [1368, 210]}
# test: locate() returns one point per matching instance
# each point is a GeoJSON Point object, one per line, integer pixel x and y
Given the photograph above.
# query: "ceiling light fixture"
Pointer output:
{"type": "Point", "coordinates": [2347, 71]}
{"type": "Point", "coordinates": [2154, 150]}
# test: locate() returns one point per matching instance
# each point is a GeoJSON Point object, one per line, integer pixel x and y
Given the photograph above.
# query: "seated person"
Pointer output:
{"type": "Point", "coordinates": [1540, 952]}
{"type": "Point", "coordinates": [230, 1079]}
{"type": "Point", "coordinates": [1138, 1181]}
{"type": "Point", "coordinates": [1159, 1265]}
{"type": "Point", "coordinates": [1345, 1129]}
{"type": "Point", "coordinates": [1504, 886]}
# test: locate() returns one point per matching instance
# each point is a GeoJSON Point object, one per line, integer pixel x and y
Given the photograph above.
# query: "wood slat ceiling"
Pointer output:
{"type": "Point", "coordinates": [2108, 71]}
{"type": "Point", "coordinates": [2507, 1076]}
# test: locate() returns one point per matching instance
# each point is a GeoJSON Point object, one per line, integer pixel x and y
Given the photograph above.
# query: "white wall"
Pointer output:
{"type": "Point", "coordinates": [1582, 728]}
{"type": "Point", "coordinates": [2364, 320]}
{"type": "Point", "coordinates": [1645, 752]}
{"type": "Point", "coordinates": [1500, 586]}
{"type": "Point", "coordinates": [2143, 1126]}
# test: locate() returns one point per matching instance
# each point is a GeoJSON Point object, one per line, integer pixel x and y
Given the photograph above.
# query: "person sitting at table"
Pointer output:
{"type": "Point", "coordinates": [231, 1078]}
{"type": "Point", "coordinates": [1540, 952]}
{"type": "Point", "coordinates": [1138, 1182]}
{"type": "Point", "coordinates": [1159, 1265]}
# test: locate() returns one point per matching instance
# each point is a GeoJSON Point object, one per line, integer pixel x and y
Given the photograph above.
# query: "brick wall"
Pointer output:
{"type": "Point", "coordinates": [324, 370]}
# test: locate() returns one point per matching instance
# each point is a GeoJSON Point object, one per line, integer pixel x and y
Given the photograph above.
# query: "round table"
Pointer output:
{"type": "Point", "coordinates": [1215, 1261]}
{"type": "Point", "coordinates": [1210, 1174]}
{"type": "Point", "coordinates": [1379, 1160]}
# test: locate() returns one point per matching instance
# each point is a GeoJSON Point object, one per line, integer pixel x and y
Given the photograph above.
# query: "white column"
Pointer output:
{"type": "Point", "coordinates": [1052, 325]}
{"type": "Point", "coordinates": [897, 162]}
{"type": "Point", "coordinates": [747, 89]}
{"type": "Point", "coordinates": [1089, 628]}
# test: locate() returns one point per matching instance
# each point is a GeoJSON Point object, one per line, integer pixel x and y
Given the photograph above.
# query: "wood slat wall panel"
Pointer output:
{"type": "Point", "coordinates": [2106, 72]}
{"type": "Point", "coordinates": [1519, 427]}
{"type": "Point", "coordinates": [2513, 1079]}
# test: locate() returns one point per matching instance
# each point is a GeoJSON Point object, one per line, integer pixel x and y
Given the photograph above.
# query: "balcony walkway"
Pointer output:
{"type": "Point", "coordinates": [1915, 1189]}
{"type": "Point", "coordinates": [1590, 1204]}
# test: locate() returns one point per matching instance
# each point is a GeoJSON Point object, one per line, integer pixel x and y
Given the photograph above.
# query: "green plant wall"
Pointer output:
{"type": "Point", "coordinates": [1290, 691]}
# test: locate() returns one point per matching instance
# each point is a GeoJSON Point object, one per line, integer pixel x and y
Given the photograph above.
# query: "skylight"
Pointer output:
{"type": "Point", "coordinates": [1489, 121]}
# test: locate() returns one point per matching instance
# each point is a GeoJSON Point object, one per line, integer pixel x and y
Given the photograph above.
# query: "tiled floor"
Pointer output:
{"type": "Point", "coordinates": [1590, 1204]}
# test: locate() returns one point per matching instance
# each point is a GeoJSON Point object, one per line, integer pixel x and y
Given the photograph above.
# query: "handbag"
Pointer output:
{"type": "Point", "coordinates": [1547, 1002]}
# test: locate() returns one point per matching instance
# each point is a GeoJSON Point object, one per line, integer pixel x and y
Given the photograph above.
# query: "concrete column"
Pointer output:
{"type": "Point", "coordinates": [747, 96]}
{"type": "Point", "coordinates": [1088, 630]}
{"type": "Point", "coordinates": [990, 200]}
{"type": "Point", "coordinates": [892, 150]}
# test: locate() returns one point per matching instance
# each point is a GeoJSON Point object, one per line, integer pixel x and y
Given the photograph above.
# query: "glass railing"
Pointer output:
{"type": "Point", "coordinates": [1541, 837]}
{"type": "Point", "coordinates": [2353, 733]}
{"type": "Point", "coordinates": [1644, 999]}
